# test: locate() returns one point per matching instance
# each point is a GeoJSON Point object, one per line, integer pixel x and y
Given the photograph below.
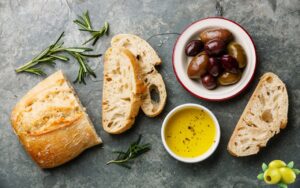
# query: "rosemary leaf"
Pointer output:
{"type": "Point", "coordinates": [85, 24]}
{"type": "Point", "coordinates": [45, 59]}
{"type": "Point", "coordinates": [36, 71]}
{"type": "Point", "coordinates": [94, 37]}
{"type": "Point", "coordinates": [134, 150]}
{"type": "Point", "coordinates": [78, 49]}
{"type": "Point", "coordinates": [80, 23]}
{"type": "Point", "coordinates": [87, 20]}
{"type": "Point", "coordinates": [56, 42]}
{"type": "Point", "coordinates": [42, 54]}
{"type": "Point", "coordinates": [54, 52]}
{"type": "Point", "coordinates": [91, 55]}
{"type": "Point", "coordinates": [90, 30]}
{"type": "Point", "coordinates": [60, 57]}
{"type": "Point", "coordinates": [51, 63]}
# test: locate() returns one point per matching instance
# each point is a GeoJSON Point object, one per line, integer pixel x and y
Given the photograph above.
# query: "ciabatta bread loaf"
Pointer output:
{"type": "Point", "coordinates": [122, 89]}
{"type": "Point", "coordinates": [52, 124]}
{"type": "Point", "coordinates": [147, 59]}
{"type": "Point", "coordinates": [265, 114]}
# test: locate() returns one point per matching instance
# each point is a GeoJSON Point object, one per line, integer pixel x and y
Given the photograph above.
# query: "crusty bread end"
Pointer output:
{"type": "Point", "coordinates": [52, 124]}
{"type": "Point", "coordinates": [265, 114]}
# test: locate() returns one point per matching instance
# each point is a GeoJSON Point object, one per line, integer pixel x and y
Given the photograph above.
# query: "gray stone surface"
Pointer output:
{"type": "Point", "coordinates": [27, 26]}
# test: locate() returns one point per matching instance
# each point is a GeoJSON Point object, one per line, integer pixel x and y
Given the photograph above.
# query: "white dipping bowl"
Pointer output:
{"type": "Point", "coordinates": [205, 155]}
{"type": "Point", "coordinates": [181, 61]}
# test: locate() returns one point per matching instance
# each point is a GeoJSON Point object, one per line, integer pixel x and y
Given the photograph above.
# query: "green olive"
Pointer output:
{"type": "Point", "coordinates": [272, 176]}
{"type": "Point", "coordinates": [227, 78]}
{"type": "Point", "coordinates": [277, 164]}
{"type": "Point", "coordinates": [288, 175]}
{"type": "Point", "coordinates": [235, 50]}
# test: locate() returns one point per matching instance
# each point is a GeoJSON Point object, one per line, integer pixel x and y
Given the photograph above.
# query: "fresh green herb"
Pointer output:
{"type": "Point", "coordinates": [136, 149]}
{"type": "Point", "coordinates": [54, 52]}
{"type": "Point", "coordinates": [84, 22]}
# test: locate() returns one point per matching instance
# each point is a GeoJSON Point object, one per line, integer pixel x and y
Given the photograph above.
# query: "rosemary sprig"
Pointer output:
{"type": "Point", "coordinates": [84, 23]}
{"type": "Point", "coordinates": [54, 52]}
{"type": "Point", "coordinates": [136, 149]}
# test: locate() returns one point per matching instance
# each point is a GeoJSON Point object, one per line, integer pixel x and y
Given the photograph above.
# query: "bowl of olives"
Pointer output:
{"type": "Point", "coordinates": [214, 59]}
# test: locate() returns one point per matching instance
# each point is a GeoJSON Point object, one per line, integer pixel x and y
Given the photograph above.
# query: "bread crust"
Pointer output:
{"type": "Point", "coordinates": [249, 120]}
{"type": "Point", "coordinates": [147, 59]}
{"type": "Point", "coordinates": [51, 123]}
{"type": "Point", "coordinates": [129, 110]}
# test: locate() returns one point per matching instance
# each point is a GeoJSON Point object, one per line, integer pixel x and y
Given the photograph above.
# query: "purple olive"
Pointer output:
{"type": "Point", "coordinates": [214, 68]}
{"type": "Point", "coordinates": [209, 82]}
{"type": "Point", "coordinates": [214, 47]}
{"type": "Point", "coordinates": [193, 47]}
{"type": "Point", "coordinates": [229, 63]}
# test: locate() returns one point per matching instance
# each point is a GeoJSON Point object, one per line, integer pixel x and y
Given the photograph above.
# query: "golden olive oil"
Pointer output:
{"type": "Point", "coordinates": [190, 132]}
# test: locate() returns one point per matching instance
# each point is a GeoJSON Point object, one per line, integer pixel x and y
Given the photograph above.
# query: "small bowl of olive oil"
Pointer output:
{"type": "Point", "coordinates": [190, 133]}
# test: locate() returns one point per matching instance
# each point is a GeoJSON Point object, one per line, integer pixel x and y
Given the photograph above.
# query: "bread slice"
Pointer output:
{"type": "Point", "coordinates": [264, 116]}
{"type": "Point", "coordinates": [122, 89]}
{"type": "Point", "coordinates": [52, 124]}
{"type": "Point", "coordinates": [147, 59]}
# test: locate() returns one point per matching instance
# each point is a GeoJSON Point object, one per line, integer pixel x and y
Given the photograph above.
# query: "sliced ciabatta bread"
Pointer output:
{"type": "Point", "coordinates": [122, 89]}
{"type": "Point", "coordinates": [264, 116]}
{"type": "Point", "coordinates": [52, 124]}
{"type": "Point", "coordinates": [147, 59]}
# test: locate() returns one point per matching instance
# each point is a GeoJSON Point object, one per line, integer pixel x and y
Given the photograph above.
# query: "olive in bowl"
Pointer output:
{"type": "Point", "coordinates": [220, 29]}
{"type": "Point", "coordinates": [227, 78]}
{"type": "Point", "coordinates": [215, 47]}
{"type": "Point", "coordinates": [217, 58]}
{"type": "Point", "coordinates": [209, 82]}
{"type": "Point", "coordinates": [198, 66]}
{"type": "Point", "coordinates": [216, 33]}
{"type": "Point", "coordinates": [229, 64]}
{"type": "Point", "coordinates": [194, 47]}
{"type": "Point", "coordinates": [214, 67]}
{"type": "Point", "coordinates": [236, 50]}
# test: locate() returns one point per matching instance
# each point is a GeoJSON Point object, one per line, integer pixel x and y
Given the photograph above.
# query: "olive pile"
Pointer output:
{"type": "Point", "coordinates": [217, 59]}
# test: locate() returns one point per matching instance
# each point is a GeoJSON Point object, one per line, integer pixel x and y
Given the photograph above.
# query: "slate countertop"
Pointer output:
{"type": "Point", "coordinates": [28, 26]}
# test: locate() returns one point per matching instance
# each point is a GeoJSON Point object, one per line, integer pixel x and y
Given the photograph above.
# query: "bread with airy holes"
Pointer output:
{"type": "Point", "coordinates": [265, 114]}
{"type": "Point", "coordinates": [147, 59]}
{"type": "Point", "coordinates": [122, 89]}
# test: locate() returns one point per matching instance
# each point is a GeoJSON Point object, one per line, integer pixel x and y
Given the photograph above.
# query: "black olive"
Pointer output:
{"type": "Point", "coordinates": [193, 47]}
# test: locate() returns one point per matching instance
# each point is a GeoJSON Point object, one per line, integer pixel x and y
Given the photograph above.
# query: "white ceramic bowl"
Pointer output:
{"type": "Point", "coordinates": [200, 157]}
{"type": "Point", "coordinates": [180, 60]}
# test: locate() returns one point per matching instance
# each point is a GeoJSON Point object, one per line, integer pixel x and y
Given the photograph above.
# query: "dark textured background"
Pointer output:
{"type": "Point", "coordinates": [27, 26]}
